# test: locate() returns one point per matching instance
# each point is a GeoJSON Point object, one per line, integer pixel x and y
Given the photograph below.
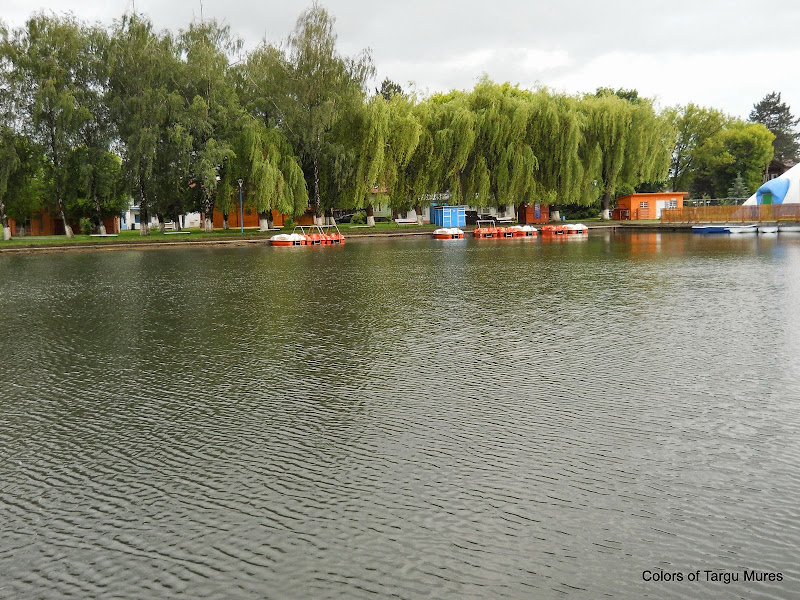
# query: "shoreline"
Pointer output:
{"type": "Point", "coordinates": [150, 244]}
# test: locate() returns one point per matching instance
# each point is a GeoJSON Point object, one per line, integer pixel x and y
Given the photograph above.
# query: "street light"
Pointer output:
{"type": "Point", "coordinates": [241, 214]}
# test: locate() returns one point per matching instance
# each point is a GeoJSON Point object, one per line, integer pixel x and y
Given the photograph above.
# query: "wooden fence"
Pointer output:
{"type": "Point", "coordinates": [732, 214]}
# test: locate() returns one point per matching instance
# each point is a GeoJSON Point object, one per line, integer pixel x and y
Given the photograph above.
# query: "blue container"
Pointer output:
{"type": "Point", "coordinates": [449, 216]}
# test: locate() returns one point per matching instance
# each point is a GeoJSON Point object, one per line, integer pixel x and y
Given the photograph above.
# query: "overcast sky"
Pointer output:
{"type": "Point", "coordinates": [727, 55]}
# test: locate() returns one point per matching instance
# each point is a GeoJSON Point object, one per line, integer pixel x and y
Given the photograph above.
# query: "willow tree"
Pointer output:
{"type": "Point", "coordinates": [501, 163]}
{"type": "Point", "coordinates": [419, 175]}
{"type": "Point", "coordinates": [270, 172]}
{"type": "Point", "coordinates": [396, 141]}
{"type": "Point", "coordinates": [567, 165]}
{"type": "Point", "coordinates": [320, 82]}
{"type": "Point", "coordinates": [453, 128]}
{"type": "Point", "coordinates": [635, 144]}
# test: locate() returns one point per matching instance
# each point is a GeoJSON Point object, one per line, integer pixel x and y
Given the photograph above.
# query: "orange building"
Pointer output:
{"type": "Point", "coordinates": [646, 206]}
{"type": "Point", "coordinates": [46, 224]}
{"type": "Point", "coordinates": [533, 213]}
{"type": "Point", "coordinates": [250, 219]}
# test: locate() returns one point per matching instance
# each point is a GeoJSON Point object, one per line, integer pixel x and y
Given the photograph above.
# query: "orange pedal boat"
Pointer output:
{"type": "Point", "coordinates": [571, 229]}
{"type": "Point", "coordinates": [487, 229]}
{"type": "Point", "coordinates": [309, 235]}
{"type": "Point", "coordinates": [448, 233]}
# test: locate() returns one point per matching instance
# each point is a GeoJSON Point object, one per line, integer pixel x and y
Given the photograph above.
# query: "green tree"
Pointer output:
{"type": "Point", "coordinates": [212, 109]}
{"type": "Point", "coordinates": [634, 143]}
{"type": "Point", "coordinates": [97, 188]}
{"type": "Point", "coordinates": [741, 148]}
{"type": "Point", "coordinates": [9, 163]}
{"type": "Point", "coordinates": [501, 168]}
{"type": "Point", "coordinates": [693, 125]}
{"type": "Point", "coordinates": [146, 110]}
{"type": "Point", "coordinates": [777, 117]}
{"type": "Point", "coordinates": [321, 84]}
{"type": "Point", "coordinates": [22, 180]}
{"type": "Point", "coordinates": [738, 188]}
{"type": "Point", "coordinates": [271, 174]}
{"type": "Point", "coordinates": [54, 87]}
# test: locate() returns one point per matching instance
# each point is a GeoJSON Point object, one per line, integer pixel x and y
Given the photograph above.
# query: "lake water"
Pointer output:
{"type": "Point", "coordinates": [403, 418]}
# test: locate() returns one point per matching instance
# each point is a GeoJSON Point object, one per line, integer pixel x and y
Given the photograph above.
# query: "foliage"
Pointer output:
{"type": "Point", "coordinates": [777, 117]}
{"type": "Point", "coordinates": [633, 142]}
{"type": "Point", "coordinates": [740, 149]}
{"type": "Point", "coordinates": [322, 85]}
{"type": "Point", "coordinates": [359, 218]}
{"type": "Point", "coordinates": [86, 225]}
{"type": "Point", "coordinates": [694, 125]}
{"type": "Point", "coordinates": [211, 109]}
{"type": "Point", "coordinates": [55, 86]}
{"type": "Point", "coordinates": [147, 110]}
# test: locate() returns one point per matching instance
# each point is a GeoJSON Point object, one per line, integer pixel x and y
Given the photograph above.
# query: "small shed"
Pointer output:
{"type": "Point", "coordinates": [646, 206]}
{"type": "Point", "coordinates": [449, 216]}
{"type": "Point", "coordinates": [533, 213]}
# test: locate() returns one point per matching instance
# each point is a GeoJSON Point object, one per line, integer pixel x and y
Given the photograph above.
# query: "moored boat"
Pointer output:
{"type": "Point", "coordinates": [309, 235]}
{"type": "Point", "coordinates": [570, 229]}
{"type": "Point", "coordinates": [738, 229]}
{"type": "Point", "coordinates": [488, 229]}
{"type": "Point", "coordinates": [767, 229]}
{"type": "Point", "coordinates": [448, 233]}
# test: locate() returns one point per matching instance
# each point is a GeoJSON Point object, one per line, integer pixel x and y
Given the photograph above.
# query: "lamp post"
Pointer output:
{"type": "Point", "coordinates": [241, 213]}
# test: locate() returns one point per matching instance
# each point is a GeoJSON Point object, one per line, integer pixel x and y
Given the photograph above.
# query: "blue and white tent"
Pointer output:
{"type": "Point", "coordinates": [781, 190]}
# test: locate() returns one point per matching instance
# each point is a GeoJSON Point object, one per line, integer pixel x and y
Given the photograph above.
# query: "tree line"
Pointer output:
{"type": "Point", "coordinates": [94, 116]}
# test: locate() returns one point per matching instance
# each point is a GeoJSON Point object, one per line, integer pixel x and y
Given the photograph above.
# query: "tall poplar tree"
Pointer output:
{"type": "Point", "coordinates": [145, 106]}
{"type": "Point", "coordinates": [321, 84]}
{"type": "Point", "coordinates": [212, 108]}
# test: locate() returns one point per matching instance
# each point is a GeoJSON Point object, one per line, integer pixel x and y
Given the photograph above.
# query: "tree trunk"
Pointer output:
{"type": "Point", "coordinates": [67, 226]}
{"type": "Point", "coordinates": [418, 210]}
{"type": "Point", "coordinates": [225, 224]}
{"type": "Point", "coordinates": [177, 220]}
{"type": "Point", "coordinates": [370, 215]}
{"type": "Point", "coordinates": [317, 203]}
{"type": "Point", "coordinates": [209, 214]}
{"type": "Point", "coordinates": [161, 226]}
{"type": "Point", "coordinates": [606, 212]}
{"type": "Point", "coordinates": [101, 227]}
{"type": "Point", "coordinates": [144, 220]}
{"type": "Point", "coordinates": [4, 221]}
{"type": "Point", "coordinates": [263, 221]}
{"type": "Point", "coordinates": [329, 220]}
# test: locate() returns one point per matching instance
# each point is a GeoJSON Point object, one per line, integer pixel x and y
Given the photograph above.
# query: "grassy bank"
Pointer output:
{"type": "Point", "coordinates": [127, 239]}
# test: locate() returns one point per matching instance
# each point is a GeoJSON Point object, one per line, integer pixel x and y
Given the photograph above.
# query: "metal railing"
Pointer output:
{"type": "Point", "coordinates": [732, 214]}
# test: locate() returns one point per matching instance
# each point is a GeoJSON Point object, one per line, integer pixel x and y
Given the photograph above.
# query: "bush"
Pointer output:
{"type": "Point", "coordinates": [86, 226]}
{"type": "Point", "coordinates": [289, 223]}
{"type": "Point", "coordinates": [359, 218]}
